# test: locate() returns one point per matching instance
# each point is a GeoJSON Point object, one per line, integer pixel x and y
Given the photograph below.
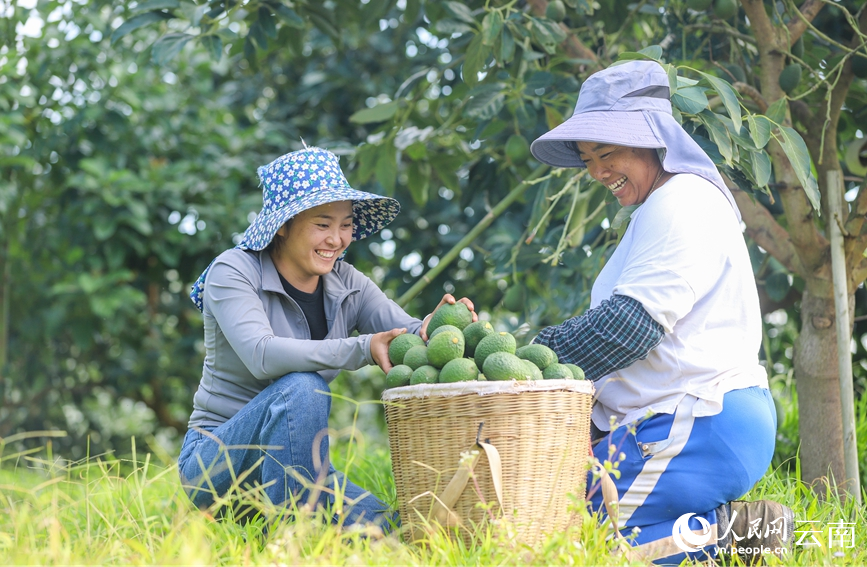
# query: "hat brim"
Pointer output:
{"type": "Point", "coordinates": [371, 214]}
{"type": "Point", "coordinates": [619, 128]}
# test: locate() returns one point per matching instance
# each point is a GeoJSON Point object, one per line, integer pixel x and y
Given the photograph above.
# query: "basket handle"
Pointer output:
{"type": "Point", "coordinates": [442, 507]}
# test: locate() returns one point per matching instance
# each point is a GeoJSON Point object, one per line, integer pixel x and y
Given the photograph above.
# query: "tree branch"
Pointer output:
{"type": "Point", "coordinates": [797, 26]}
{"type": "Point", "coordinates": [763, 29]}
{"type": "Point", "coordinates": [753, 94]}
{"type": "Point", "coordinates": [574, 47]}
{"type": "Point", "coordinates": [725, 30]}
{"type": "Point", "coordinates": [767, 232]}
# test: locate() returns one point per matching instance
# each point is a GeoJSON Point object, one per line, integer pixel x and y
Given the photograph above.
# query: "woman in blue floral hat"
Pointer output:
{"type": "Point", "coordinates": [279, 314]}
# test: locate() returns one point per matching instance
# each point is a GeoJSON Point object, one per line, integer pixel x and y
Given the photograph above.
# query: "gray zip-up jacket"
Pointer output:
{"type": "Point", "coordinates": [255, 333]}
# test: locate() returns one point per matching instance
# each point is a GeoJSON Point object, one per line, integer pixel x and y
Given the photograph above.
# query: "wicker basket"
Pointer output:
{"type": "Point", "coordinates": [539, 432]}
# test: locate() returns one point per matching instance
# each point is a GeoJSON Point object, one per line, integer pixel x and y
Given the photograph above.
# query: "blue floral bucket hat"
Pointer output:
{"type": "Point", "coordinates": [298, 181]}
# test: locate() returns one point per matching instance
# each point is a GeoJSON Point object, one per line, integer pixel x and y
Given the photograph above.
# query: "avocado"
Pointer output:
{"type": "Point", "coordinates": [497, 342]}
{"type": "Point", "coordinates": [790, 77]}
{"type": "Point", "coordinates": [540, 355]}
{"type": "Point", "coordinates": [442, 328]}
{"type": "Point", "coordinates": [424, 375]}
{"type": "Point", "coordinates": [555, 10]}
{"type": "Point", "coordinates": [398, 376]}
{"type": "Point", "coordinates": [444, 347]}
{"type": "Point", "coordinates": [456, 314]}
{"type": "Point", "coordinates": [459, 370]}
{"type": "Point", "coordinates": [725, 9]}
{"type": "Point", "coordinates": [416, 357]}
{"type": "Point", "coordinates": [533, 372]}
{"type": "Point", "coordinates": [577, 372]}
{"type": "Point", "coordinates": [473, 333]}
{"type": "Point", "coordinates": [517, 149]}
{"type": "Point", "coordinates": [505, 366]}
{"type": "Point", "coordinates": [400, 344]}
{"type": "Point", "coordinates": [558, 371]}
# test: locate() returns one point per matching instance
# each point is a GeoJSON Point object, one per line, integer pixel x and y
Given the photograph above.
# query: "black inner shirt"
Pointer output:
{"type": "Point", "coordinates": [313, 306]}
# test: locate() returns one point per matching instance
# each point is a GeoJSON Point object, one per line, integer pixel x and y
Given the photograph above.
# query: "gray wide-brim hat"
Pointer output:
{"type": "Point", "coordinates": [629, 104]}
{"type": "Point", "coordinates": [298, 181]}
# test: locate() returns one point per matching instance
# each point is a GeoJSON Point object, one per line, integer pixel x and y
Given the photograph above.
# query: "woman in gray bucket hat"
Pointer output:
{"type": "Point", "coordinates": [280, 312]}
{"type": "Point", "coordinates": [672, 333]}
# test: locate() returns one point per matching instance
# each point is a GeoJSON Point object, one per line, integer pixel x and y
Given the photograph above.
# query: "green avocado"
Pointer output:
{"type": "Point", "coordinates": [416, 357]}
{"type": "Point", "coordinates": [400, 344]}
{"type": "Point", "coordinates": [505, 366]}
{"type": "Point", "coordinates": [456, 314]}
{"type": "Point", "coordinates": [398, 376]}
{"type": "Point", "coordinates": [475, 332]}
{"type": "Point", "coordinates": [459, 370]}
{"type": "Point", "coordinates": [444, 347]}
{"type": "Point", "coordinates": [558, 371]}
{"type": "Point", "coordinates": [497, 342]}
{"type": "Point", "coordinates": [540, 355]}
{"type": "Point", "coordinates": [790, 77]}
{"type": "Point", "coordinates": [424, 375]}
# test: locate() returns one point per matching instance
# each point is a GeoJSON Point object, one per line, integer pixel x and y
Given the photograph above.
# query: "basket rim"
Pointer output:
{"type": "Point", "coordinates": [485, 388]}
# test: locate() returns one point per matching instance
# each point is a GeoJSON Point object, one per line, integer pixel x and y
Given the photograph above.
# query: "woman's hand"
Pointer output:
{"type": "Point", "coordinates": [450, 299]}
{"type": "Point", "coordinates": [379, 347]}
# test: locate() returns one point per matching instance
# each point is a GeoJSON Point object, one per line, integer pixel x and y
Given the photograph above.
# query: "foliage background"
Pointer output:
{"type": "Point", "coordinates": [131, 133]}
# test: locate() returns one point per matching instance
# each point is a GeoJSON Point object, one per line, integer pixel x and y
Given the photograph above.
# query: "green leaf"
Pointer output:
{"type": "Point", "coordinates": [448, 27]}
{"type": "Point", "coordinates": [622, 216]}
{"type": "Point", "coordinates": [777, 286]}
{"type": "Point", "coordinates": [507, 46]}
{"type": "Point", "coordinates": [777, 111]}
{"type": "Point", "coordinates": [416, 151]}
{"type": "Point", "coordinates": [690, 100]}
{"type": "Point", "coordinates": [168, 46]}
{"type": "Point", "coordinates": [266, 20]}
{"type": "Point", "coordinates": [289, 16]}
{"type": "Point", "coordinates": [642, 55]}
{"type": "Point", "coordinates": [136, 22]}
{"type": "Point", "coordinates": [543, 36]}
{"type": "Point", "coordinates": [418, 181]}
{"type": "Point", "coordinates": [386, 168]}
{"type": "Point", "coordinates": [728, 96]}
{"type": "Point", "coordinates": [760, 129]}
{"type": "Point", "coordinates": [652, 51]}
{"type": "Point", "coordinates": [799, 157]}
{"type": "Point", "coordinates": [157, 5]}
{"type": "Point", "coordinates": [719, 134]}
{"type": "Point", "coordinates": [214, 45]}
{"type": "Point", "coordinates": [492, 25]}
{"type": "Point", "coordinates": [378, 113]}
{"type": "Point", "coordinates": [474, 62]}
{"type": "Point", "coordinates": [486, 102]}
{"type": "Point", "coordinates": [460, 11]}
{"type": "Point", "coordinates": [761, 163]}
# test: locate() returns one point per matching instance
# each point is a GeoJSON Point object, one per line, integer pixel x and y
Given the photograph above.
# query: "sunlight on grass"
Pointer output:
{"type": "Point", "coordinates": [108, 510]}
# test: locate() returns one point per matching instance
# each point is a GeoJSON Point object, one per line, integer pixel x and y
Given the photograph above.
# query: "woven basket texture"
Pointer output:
{"type": "Point", "coordinates": [542, 438]}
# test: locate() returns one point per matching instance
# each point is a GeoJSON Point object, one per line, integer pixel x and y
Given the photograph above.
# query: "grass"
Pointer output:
{"type": "Point", "coordinates": [105, 510]}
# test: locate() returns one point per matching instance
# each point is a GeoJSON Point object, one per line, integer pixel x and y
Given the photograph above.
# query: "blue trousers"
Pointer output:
{"type": "Point", "coordinates": [677, 465]}
{"type": "Point", "coordinates": [278, 442]}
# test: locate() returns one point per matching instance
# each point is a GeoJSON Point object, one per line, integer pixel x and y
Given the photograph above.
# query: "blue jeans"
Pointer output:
{"type": "Point", "coordinates": [279, 441]}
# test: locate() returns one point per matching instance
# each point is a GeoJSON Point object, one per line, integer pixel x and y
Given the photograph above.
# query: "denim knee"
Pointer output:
{"type": "Point", "coordinates": [307, 390]}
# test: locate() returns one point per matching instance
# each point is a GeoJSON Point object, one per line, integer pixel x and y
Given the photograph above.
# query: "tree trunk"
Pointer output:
{"type": "Point", "coordinates": [820, 423]}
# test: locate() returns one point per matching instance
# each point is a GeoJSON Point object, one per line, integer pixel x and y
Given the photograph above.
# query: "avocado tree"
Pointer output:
{"type": "Point", "coordinates": [433, 102]}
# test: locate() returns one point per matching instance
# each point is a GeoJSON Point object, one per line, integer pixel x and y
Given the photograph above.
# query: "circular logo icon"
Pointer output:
{"type": "Point", "coordinates": [685, 538]}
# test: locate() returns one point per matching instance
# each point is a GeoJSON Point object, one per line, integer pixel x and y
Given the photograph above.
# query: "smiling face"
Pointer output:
{"type": "Point", "coordinates": [629, 173]}
{"type": "Point", "coordinates": [312, 242]}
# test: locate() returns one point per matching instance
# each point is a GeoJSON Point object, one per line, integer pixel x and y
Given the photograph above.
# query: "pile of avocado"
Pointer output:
{"type": "Point", "coordinates": [459, 350]}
